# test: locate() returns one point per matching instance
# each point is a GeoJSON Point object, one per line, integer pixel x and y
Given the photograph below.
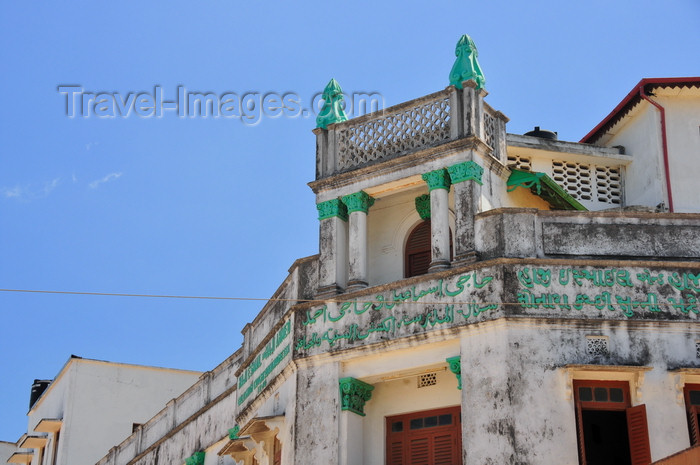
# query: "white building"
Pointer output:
{"type": "Point", "coordinates": [92, 405]}
{"type": "Point", "coordinates": [659, 123]}
{"type": "Point", "coordinates": [478, 298]}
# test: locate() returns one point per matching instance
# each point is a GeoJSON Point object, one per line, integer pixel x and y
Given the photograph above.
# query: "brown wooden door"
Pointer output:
{"type": "Point", "coordinates": [431, 437]}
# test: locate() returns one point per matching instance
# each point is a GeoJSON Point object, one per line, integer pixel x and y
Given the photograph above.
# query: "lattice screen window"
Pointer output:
{"type": "Point", "coordinates": [490, 130]}
{"type": "Point", "coordinates": [608, 184]}
{"type": "Point", "coordinates": [428, 379]}
{"type": "Point", "coordinates": [697, 349]}
{"type": "Point", "coordinates": [521, 163]}
{"type": "Point", "coordinates": [589, 182]}
{"type": "Point", "coordinates": [574, 177]}
{"type": "Point", "coordinates": [597, 345]}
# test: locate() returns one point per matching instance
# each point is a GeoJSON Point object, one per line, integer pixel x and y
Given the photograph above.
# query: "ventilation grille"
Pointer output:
{"type": "Point", "coordinates": [608, 184]}
{"type": "Point", "coordinates": [428, 379]}
{"type": "Point", "coordinates": [597, 345]}
{"type": "Point", "coordinates": [588, 182]}
{"type": "Point", "coordinates": [697, 349]}
{"type": "Point", "coordinates": [521, 163]}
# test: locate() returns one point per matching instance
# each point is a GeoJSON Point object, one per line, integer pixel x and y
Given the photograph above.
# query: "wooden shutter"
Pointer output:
{"type": "Point", "coordinates": [638, 432]}
{"type": "Point", "coordinates": [395, 451]}
{"type": "Point", "coordinates": [579, 435]}
{"type": "Point", "coordinates": [446, 450]}
{"type": "Point", "coordinates": [418, 250]}
{"type": "Point", "coordinates": [418, 254]}
{"type": "Point", "coordinates": [419, 451]}
{"type": "Point", "coordinates": [693, 426]}
{"type": "Point", "coordinates": [433, 445]}
{"type": "Point", "coordinates": [277, 460]}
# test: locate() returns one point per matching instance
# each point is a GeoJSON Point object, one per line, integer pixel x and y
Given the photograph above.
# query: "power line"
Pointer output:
{"type": "Point", "coordinates": [319, 301]}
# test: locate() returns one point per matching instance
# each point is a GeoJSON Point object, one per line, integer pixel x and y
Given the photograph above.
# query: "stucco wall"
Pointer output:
{"type": "Point", "coordinates": [316, 424]}
{"type": "Point", "coordinates": [683, 133]}
{"type": "Point", "coordinates": [520, 406]}
{"type": "Point", "coordinates": [644, 178]}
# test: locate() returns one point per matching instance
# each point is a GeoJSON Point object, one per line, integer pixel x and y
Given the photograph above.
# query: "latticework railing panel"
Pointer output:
{"type": "Point", "coordinates": [395, 134]}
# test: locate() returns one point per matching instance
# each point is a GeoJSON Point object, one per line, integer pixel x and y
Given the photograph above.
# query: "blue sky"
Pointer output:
{"type": "Point", "coordinates": [215, 207]}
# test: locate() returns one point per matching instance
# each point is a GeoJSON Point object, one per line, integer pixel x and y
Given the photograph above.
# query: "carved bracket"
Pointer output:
{"type": "Point", "coordinates": [456, 368]}
{"type": "Point", "coordinates": [353, 395]}
{"type": "Point", "coordinates": [423, 206]}
{"type": "Point", "coordinates": [466, 171]}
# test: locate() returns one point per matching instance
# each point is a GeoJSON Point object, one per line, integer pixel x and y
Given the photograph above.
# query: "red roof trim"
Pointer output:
{"type": "Point", "coordinates": [632, 99]}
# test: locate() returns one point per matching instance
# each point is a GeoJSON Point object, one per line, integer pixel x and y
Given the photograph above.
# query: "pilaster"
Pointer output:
{"type": "Point", "coordinates": [333, 247]}
{"type": "Point", "coordinates": [466, 180]}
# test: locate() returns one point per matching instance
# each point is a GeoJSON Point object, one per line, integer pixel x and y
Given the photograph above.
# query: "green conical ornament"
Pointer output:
{"type": "Point", "coordinates": [332, 111]}
{"type": "Point", "coordinates": [466, 65]}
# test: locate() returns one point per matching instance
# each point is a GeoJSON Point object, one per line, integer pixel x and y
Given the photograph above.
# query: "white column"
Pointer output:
{"type": "Point", "coordinates": [358, 205]}
{"type": "Point", "coordinates": [439, 187]}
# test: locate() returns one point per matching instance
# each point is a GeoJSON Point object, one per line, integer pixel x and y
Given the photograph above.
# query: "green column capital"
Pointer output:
{"type": "Point", "coordinates": [358, 202]}
{"type": "Point", "coordinates": [196, 459]}
{"type": "Point", "coordinates": [455, 364]}
{"type": "Point", "coordinates": [438, 179]}
{"type": "Point", "coordinates": [331, 208]}
{"type": "Point", "coordinates": [332, 111]}
{"type": "Point", "coordinates": [466, 171]}
{"type": "Point", "coordinates": [423, 206]}
{"type": "Point", "coordinates": [353, 395]}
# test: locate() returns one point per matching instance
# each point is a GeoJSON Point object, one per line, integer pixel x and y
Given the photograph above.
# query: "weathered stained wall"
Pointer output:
{"type": "Point", "coordinates": [534, 233]}
{"type": "Point", "coordinates": [316, 424]}
{"type": "Point", "coordinates": [517, 401]}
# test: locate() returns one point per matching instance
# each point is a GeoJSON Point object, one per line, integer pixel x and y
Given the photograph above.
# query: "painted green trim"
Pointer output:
{"type": "Point", "coordinates": [466, 65]}
{"type": "Point", "coordinates": [358, 202]}
{"type": "Point", "coordinates": [423, 206]}
{"type": "Point", "coordinates": [353, 395]}
{"type": "Point", "coordinates": [196, 459]}
{"type": "Point", "coordinates": [456, 368]}
{"type": "Point", "coordinates": [233, 432]}
{"type": "Point", "coordinates": [438, 179]}
{"type": "Point", "coordinates": [332, 110]}
{"type": "Point", "coordinates": [331, 208]}
{"type": "Point", "coordinates": [466, 171]}
{"type": "Point", "coordinates": [545, 187]}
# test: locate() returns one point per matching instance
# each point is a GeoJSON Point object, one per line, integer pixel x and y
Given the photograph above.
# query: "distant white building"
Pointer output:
{"type": "Point", "coordinates": [92, 405]}
{"type": "Point", "coordinates": [658, 123]}
{"type": "Point", "coordinates": [6, 450]}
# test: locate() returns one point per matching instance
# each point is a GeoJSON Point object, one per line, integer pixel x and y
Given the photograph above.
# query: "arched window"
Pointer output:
{"type": "Point", "coordinates": [417, 254]}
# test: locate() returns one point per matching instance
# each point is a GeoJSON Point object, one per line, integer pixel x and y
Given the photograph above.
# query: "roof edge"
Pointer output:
{"type": "Point", "coordinates": [631, 100]}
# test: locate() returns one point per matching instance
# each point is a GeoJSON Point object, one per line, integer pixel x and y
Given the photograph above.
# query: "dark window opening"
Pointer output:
{"type": "Point", "coordinates": [606, 439]}
{"type": "Point", "coordinates": [609, 430]}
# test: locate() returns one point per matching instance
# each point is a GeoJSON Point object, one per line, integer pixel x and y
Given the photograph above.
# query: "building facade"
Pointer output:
{"type": "Point", "coordinates": [91, 405]}
{"type": "Point", "coordinates": [479, 297]}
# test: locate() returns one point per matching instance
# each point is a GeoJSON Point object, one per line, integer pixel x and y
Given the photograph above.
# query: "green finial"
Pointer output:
{"type": "Point", "coordinates": [332, 111]}
{"type": "Point", "coordinates": [466, 65]}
